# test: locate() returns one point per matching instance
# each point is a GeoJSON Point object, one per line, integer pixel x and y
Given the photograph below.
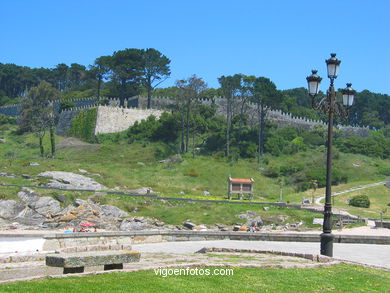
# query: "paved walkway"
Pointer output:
{"type": "Point", "coordinates": [371, 254]}
{"type": "Point", "coordinates": [318, 199]}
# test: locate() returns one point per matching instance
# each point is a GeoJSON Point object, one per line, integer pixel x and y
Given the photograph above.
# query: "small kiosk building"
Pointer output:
{"type": "Point", "coordinates": [240, 186]}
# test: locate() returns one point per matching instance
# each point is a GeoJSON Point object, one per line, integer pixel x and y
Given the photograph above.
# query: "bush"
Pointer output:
{"type": "Point", "coordinates": [191, 172]}
{"type": "Point", "coordinates": [361, 201]}
{"type": "Point", "coordinates": [4, 119]}
{"type": "Point", "coordinates": [272, 171]}
{"type": "Point", "coordinates": [385, 170]}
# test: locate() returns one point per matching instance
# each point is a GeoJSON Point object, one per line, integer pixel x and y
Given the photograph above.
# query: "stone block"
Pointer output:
{"type": "Point", "coordinates": [92, 258]}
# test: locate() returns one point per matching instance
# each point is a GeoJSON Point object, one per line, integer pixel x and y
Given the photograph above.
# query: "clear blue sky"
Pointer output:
{"type": "Point", "coordinates": [282, 40]}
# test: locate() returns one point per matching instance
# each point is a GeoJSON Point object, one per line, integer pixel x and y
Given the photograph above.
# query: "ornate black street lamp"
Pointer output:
{"type": "Point", "coordinates": [329, 105]}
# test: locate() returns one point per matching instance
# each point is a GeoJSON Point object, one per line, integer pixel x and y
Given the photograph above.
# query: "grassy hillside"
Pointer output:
{"type": "Point", "coordinates": [130, 166]}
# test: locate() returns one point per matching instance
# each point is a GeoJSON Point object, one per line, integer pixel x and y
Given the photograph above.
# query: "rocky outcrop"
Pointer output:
{"type": "Point", "coordinates": [69, 180]}
{"type": "Point", "coordinates": [10, 208]}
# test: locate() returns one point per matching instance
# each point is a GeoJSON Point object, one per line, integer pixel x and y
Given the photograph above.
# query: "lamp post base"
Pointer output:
{"type": "Point", "coordinates": [327, 244]}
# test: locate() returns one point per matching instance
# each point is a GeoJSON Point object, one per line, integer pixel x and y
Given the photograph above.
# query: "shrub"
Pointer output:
{"type": "Point", "coordinates": [191, 172]}
{"type": "Point", "coordinates": [272, 171]}
{"type": "Point", "coordinates": [385, 170]}
{"type": "Point", "coordinates": [4, 119]}
{"type": "Point", "coordinates": [361, 201]}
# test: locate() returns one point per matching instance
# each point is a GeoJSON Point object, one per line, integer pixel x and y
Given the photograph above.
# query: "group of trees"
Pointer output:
{"type": "Point", "coordinates": [124, 73]}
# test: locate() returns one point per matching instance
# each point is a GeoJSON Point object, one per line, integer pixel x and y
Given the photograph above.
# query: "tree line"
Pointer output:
{"type": "Point", "coordinates": [123, 74]}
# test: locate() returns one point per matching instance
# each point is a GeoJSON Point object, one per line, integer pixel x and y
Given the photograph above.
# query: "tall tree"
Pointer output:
{"type": "Point", "coordinates": [37, 112]}
{"type": "Point", "coordinates": [190, 90]}
{"type": "Point", "coordinates": [156, 70]}
{"type": "Point", "coordinates": [229, 87]}
{"type": "Point", "coordinates": [99, 70]}
{"type": "Point", "coordinates": [127, 69]}
{"type": "Point", "coordinates": [265, 95]}
{"type": "Point", "coordinates": [61, 76]}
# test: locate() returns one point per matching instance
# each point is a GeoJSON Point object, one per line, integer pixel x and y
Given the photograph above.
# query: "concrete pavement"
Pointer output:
{"type": "Point", "coordinates": [371, 254]}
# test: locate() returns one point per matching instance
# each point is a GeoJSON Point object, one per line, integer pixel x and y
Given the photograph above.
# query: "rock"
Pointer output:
{"type": "Point", "coordinates": [256, 222]}
{"type": "Point", "coordinates": [189, 225]}
{"type": "Point", "coordinates": [224, 229]}
{"type": "Point", "coordinates": [2, 140]}
{"type": "Point", "coordinates": [266, 208]}
{"type": "Point", "coordinates": [306, 201]}
{"type": "Point", "coordinates": [251, 213]}
{"type": "Point", "coordinates": [200, 228]}
{"type": "Point", "coordinates": [68, 180]}
{"type": "Point", "coordinates": [159, 224]}
{"type": "Point", "coordinates": [140, 219]}
{"type": "Point", "coordinates": [100, 194]}
{"type": "Point", "coordinates": [206, 193]}
{"type": "Point", "coordinates": [236, 228]}
{"type": "Point", "coordinates": [112, 211]}
{"type": "Point", "coordinates": [61, 198]}
{"type": "Point", "coordinates": [83, 171]}
{"type": "Point", "coordinates": [141, 163]}
{"type": "Point", "coordinates": [318, 221]}
{"type": "Point", "coordinates": [387, 184]}
{"type": "Point", "coordinates": [27, 195]}
{"type": "Point", "coordinates": [128, 225]}
{"type": "Point", "coordinates": [30, 217]}
{"type": "Point", "coordinates": [4, 174]}
{"type": "Point", "coordinates": [45, 206]}
{"type": "Point", "coordinates": [142, 190]}
{"type": "Point", "coordinates": [34, 164]}
{"type": "Point", "coordinates": [243, 216]}
{"type": "Point", "coordinates": [181, 192]}
{"type": "Point", "coordinates": [25, 176]}
{"type": "Point", "coordinates": [67, 218]}
{"type": "Point", "coordinates": [10, 208]}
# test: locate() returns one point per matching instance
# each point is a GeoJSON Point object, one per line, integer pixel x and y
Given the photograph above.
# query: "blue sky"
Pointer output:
{"type": "Point", "coordinates": [282, 40]}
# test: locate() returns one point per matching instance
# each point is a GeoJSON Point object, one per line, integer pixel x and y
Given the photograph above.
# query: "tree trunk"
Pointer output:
{"type": "Point", "coordinates": [259, 134]}
{"type": "Point", "coordinates": [241, 117]}
{"type": "Point", "coordinates": [182, 147]}
{"type": "Point", "coordinates": [188, 125]}
{"type": "Point", "coordinates": [41, 146]}
{"type": "Point", "coordinates": [262, 127]}
{"type": "Point", "coordinates": [98, 87]}
{"type": "Point", "coordinates": [228, 110]}
{"type": "Point", "coordinates": [149, 89]}
{"type": "Point", "coordinates": [52, 141]}
{"type": "Point", "coordinates": [122, 94]}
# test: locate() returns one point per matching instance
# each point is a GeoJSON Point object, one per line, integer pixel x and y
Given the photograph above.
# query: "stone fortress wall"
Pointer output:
{"type": "Point", "coordinates": [113, 119]}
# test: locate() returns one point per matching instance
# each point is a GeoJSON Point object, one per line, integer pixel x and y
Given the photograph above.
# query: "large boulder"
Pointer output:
{"type": "Point", "coordinates": [10, 208]}
{"type": "Point", "coordinates": [30, 217]}
{"type": "Point", "coordinates": [69, 180]}
{"type": "Point", "coordinates": [43, 205]}
{"type": "Point", "coordinates": [131, 225]}
{"type": "Point", "coordinates": [112, 211]}
{"type": "Point", "coordinates": [46, 206]}
{"type": "Point", "coordinates": [28, 195]}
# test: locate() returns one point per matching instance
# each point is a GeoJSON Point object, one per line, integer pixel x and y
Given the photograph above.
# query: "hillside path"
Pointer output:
{"type": "Point", "coordinates": [318, 199]}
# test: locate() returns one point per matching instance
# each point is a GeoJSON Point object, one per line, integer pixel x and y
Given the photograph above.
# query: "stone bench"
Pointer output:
{"type": "Point", "coordinates": [76, 262]}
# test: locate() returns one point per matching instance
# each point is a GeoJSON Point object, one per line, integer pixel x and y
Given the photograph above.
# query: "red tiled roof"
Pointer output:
{"type": "Point", "coordinates": [240, 180]}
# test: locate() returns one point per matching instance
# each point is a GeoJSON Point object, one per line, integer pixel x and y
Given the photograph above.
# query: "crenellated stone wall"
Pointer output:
{"type": "Point", "coordinates": [114, 119]}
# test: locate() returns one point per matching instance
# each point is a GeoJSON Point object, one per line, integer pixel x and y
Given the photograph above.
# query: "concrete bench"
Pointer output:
{"type": "Point", "coordinates": [75, 262]}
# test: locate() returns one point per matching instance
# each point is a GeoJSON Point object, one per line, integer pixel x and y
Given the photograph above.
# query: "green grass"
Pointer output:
{"type": "Point", "coordinates": [337, 278]}
{"type": "Point", "coordinates": [379, 198]}
{"type": "Point", "coordinates": [130, 166]}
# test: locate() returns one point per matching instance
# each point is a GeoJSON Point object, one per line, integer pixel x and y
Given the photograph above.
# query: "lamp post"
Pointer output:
{"type": "Point", "coordinates": [329, 105]}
